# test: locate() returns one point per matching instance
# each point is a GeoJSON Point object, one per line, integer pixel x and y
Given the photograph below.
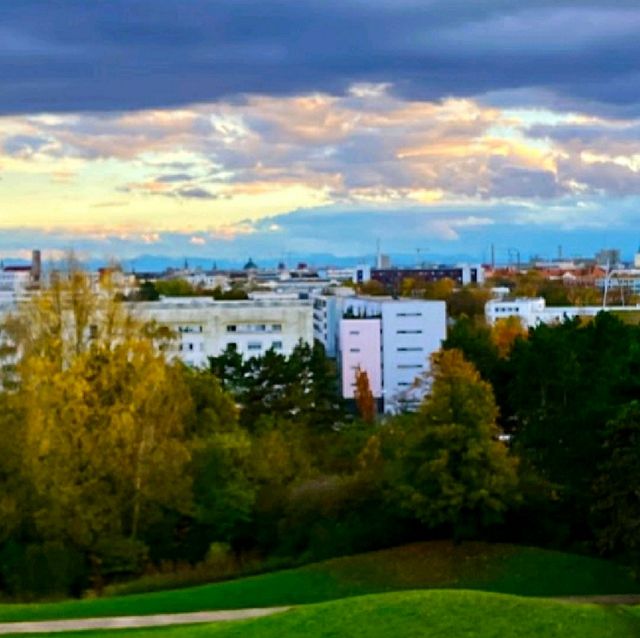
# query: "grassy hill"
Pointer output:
{"type": "Point", "coordinates": [435, 565]}
{"type": "Point", "coordinates": [421, 613]}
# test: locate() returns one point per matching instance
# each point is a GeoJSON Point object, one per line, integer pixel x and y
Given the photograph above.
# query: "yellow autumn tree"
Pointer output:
{"type": "Point", "coordinates": [364, 398]}
{"type": "Point", "coordinates": [505, 332]}
{"type": "Point", "coordinates": [103, 445]}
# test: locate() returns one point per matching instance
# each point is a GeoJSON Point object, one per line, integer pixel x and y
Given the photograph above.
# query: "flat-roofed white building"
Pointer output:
{"type": "Point", "coordinates": [533, 311]}
{"type": "Point", "coordinates": [205, 327]}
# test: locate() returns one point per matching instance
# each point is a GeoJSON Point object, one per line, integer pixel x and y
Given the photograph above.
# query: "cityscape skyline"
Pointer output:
{"type": "Point", "coordinates": [229, 129]}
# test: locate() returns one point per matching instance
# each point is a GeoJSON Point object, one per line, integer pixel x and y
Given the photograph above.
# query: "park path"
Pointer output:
{"type": "Point", "coordinates": [164, 620]}
{"type": "Point", "coordinates": [123, 622]}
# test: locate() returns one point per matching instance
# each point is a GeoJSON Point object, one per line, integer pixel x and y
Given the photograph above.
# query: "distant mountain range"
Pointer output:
{"type": "Point", "coordinates": [158, 263]}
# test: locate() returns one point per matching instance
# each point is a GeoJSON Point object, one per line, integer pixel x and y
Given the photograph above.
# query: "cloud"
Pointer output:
{"type": "Point", "coordinates": [93, 56]}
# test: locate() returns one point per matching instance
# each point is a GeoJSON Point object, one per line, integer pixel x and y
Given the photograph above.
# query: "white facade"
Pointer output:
{"type": "Point", "coordinates": [205, 328]}
{"type": "Point", "coordinates": [534, 311]}
{"type": "Point", "coordinates": [409, 332]}
{"type": "Point", "coordinates": [14, 283]}
{"type": "Point", "coordinates": [361, 350]}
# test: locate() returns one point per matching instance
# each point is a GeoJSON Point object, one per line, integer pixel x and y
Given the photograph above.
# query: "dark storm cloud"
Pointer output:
{"type": "Point", "coordinates": [126, 54]}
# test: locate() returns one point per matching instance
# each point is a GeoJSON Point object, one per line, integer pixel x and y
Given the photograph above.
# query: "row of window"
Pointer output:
{"type": "Point", "coordinates": [255, 327]}
{"type": "Point", "coordinates": [190, 347]}
{"type": "Point", "coordinates": [508, 309]}
{"type": "Point", "coordinates": [184, 329]}
{"type": "Point", "coordinates": [257, 345]}
{"type": "Point", "coordinates": [402, 349]}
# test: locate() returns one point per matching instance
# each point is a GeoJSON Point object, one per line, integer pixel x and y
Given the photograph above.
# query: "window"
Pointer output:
{"type": "Point", "coordinates": [276, 327]}
{"type": "Point", "coordinates": [409, 332]}
{"type": "Point", "coordinates": [416, 349]}
{"type": "Point", "coordinates": [409, 314]}
{"type": "Point", "coordinates": [231, 328]}
{"type": "Point", "coordinates": [354, 332]}
{"type": "Point", "coordinates": [354, 349]}
{"type": "Point", "coordinates": [190, 346]}
{"type": "Point", "coordinates": [254, 345]}
{"type": "Point", "coordinates": [277, 345]}
{"type": "Point", "coordinates": [410, 366]}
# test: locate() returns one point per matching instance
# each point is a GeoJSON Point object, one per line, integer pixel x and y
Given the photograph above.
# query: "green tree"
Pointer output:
{"type": "Point", "coordinates": [565, 383]}
{"type": "Point", "coordinates": [220, 450]}
{"type": "Point", "coordinates": [148, 292]}
{"type": "Point", "coordinates": [451, 468]}
{"type": "Point", "coordinates": [616, 511]}
{"type": "Point", "coordinates": [174, 288]}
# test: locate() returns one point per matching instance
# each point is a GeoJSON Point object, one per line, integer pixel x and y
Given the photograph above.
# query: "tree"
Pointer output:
{"type": "Point", "coordinates": [442, 289]}
{"type": "Point", "coordinates": [452, 469]}
{"type": "Point", "coordinates": [103, 448]}
{"type": "Point", "coordinates": [364, 398]}
{"type": "Point", "coordinates": [147, 292]}
{"type": "Point", "coordinates": [175, 288]}
{"type": "Point", "coordinates": [566, 382]}
{"type": "Point", "coordinates": [220, 451]}
{"type": "Point", "coordinates": [468, 301]}
{"type": "Point", "coordinates": [616, 511]}
{"type": "Point", "coordinates": [372, 287]}
{"type": "Point", "coordinates": [505, 333]}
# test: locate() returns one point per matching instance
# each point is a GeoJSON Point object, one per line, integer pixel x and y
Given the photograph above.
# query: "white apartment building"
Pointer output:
{"type": "Point", "coordinates": [205, 327]}
{"type": "Point", "coordinates": [391, 339]}
{"type": "Point", "coordinates": [14, 282]}
{"type": "Point", "coordinates": [533, 311]}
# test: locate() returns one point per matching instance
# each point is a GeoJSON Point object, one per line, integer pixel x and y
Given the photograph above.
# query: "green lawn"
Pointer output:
{"type": "Point", "coordinates": [495, 568]}
{"type": "Point", "coordinates": [437, 614]}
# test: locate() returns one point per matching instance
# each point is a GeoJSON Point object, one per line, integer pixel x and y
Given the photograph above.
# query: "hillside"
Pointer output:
{"type": "Point", "coordinates": [426, 614]}
{"type": "Point", "coordinates": [432, 565]}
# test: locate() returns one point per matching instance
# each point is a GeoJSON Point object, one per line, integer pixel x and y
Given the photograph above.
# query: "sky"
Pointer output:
{"type": "Point", "coordinates": [226, 128]}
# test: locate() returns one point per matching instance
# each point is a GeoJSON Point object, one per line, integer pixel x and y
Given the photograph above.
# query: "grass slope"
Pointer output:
{"type": "Point", "coordinates": [427, 614]}
{"type": "Point", "coordinates": [496, 568]}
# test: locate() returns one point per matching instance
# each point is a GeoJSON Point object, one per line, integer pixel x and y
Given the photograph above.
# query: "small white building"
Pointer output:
{"type": "Point", "coordinates": [533, 311]}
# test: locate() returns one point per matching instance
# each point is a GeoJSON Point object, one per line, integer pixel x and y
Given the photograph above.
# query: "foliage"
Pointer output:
{"type": "Point", "coordinates": [474, 338]}
{"type": "Point", "coordinates": [468, 302]}
{"type": "Point", "coordinates": [372, 287]}
{"type": "Point", "coordinates": [364, 397]}
{"type": "Point", "coordinates": [617, 493]}
{"type": "Point", "coordinates": [233, 294]}
{"type": "Point", "coordinates": [302, 386]}
{"type": "Point", "coordinates": [174, 288]}
{"type": "Point", "coordinates": [567, 382]}
{"type": "Point", "coordinates": [451, 468]}
{"type": "Point", "coordinates": [147, 292]}
{"type": "Point", "coordinates": [506, 332]}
